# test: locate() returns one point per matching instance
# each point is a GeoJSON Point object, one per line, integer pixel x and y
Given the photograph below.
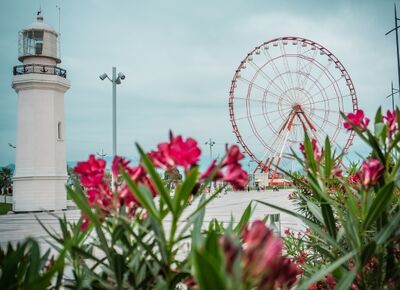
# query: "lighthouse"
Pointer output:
{"type": "Point", "coordinates": [40, 166]}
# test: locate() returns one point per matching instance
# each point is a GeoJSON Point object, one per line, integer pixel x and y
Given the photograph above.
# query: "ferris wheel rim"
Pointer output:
{"type": "Point", "coordinates": [304, 41]}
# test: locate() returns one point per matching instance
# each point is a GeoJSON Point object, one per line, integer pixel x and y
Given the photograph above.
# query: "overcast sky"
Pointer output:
{"type": "Point", "coordinates": [179, 58]}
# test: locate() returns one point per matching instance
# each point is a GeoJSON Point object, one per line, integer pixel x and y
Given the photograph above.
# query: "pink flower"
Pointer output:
{"type": "Point", "coordinates": [177, 152]}
{"type": "Point", "coordinates": [236, 176]}
{"type": "Point", "coordinates": [233, 156]}
{"type": "Point", "coordinates": [90, 172]}
{"type": "Point", "coordinates": [337, 171]}
{"type": "Point", "coordinates": [231, 251]}
{"type": "Point", "coordinates": [391, 121]}
{"type": "Point", "coordinates": [355, 178]}
{"type": "Point", "coordinates": [85, 223]}
{"type": "Point", "coordinates": [301, 258]}
{"type": "Point", "coordinates": [261, 248]}
{"type": "Point", "coordinates": [117, 164]}
{"type": "Point", "coordinates": [370, 172]}
{"type": "Point", "coordinates": [209, 171]}
{"type": "Point", "coordinates": [287, 232]}
{"type": "Point", "coordinates": [316, 151]}
{"type": "Point", "coordinates": [186, 153]}
{"type": "Point", "coordinates": [357, 120]}
{"type": "Point", "coordinates": [262, 258]}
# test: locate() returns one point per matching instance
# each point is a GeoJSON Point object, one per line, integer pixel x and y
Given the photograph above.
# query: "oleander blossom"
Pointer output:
{"type": "Point", "coordinates": [177, 152]}
{"type": "Point", "coordinates": [328, 283]}
{"type": "Point", "coordinates": [231, 170]}
{"type": "Point", "coordinates": [263, 261]}
{"type": "Point", "coordinates": [356, 120]}
{"type": "Point", "coordinates": [316, 151]}
{"type": "Point", "coordinates": [370, 172]}
{"type": "Point", "coordinates": [91, 172]}
{"type": "Point", "coordinates": [391, 122]}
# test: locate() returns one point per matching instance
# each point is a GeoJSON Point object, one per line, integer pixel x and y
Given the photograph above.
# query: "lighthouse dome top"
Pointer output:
{"type": "Point", "coordinates": [38, 43]}
{"type": "Point", "coordinates": [40, 25]}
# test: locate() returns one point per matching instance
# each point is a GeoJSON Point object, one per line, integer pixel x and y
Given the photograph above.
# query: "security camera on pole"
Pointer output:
{"type": "Point", "coordinates": [115, 80]}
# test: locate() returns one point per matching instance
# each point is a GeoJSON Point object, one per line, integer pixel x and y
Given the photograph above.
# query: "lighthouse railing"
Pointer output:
{"type": "Point", "coordinates": [39, 69]}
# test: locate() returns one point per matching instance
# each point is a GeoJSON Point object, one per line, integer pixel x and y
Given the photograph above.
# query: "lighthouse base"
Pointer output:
{"type": "Point", "coordinates": [39, 193]}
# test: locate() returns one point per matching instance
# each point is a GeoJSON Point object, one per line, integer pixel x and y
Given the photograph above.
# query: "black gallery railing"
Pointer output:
{"type": "Point", "coordinates": [39, 69]}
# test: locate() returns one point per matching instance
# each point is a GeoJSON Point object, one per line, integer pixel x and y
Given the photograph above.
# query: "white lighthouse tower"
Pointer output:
{"type": "Point", "coordinates": [41, 169]}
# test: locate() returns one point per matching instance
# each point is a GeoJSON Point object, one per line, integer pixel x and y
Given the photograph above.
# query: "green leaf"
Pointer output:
{"type": "Point", "coordinates": [379, 205]}
{"type": "Point", "coordinates": [80, 200]}
{"type": "Point", "coordinates": [164, 194]}
{"type": "Point", "coordinates": [144, 197]}
{"type": "Point", "coordinates": [329, 219]}
{"type": "Point", "coordinates": [387, 231]}
{"type": "Point", "coordinates": [324, 237]}
{"type": "Point", "coordinates": [315, 210]}
{"type": "Point", "coordinates": [310, 153]}
{"type": "Point", "coordinates": [328, 158]}
{"type": "Point", "coordinates": [208, 272]}
{"type": "Point", "coordinates": [367, 252]}
{"type": "Point", "coordinates": [244, 219]}
{"type": "Point", "coordinates": [197, 237]}
{"type": "Point", "coordinates": [325, 271]}
{"type": "Point", "coordinates": [185, 190]}
{"type": "Point", "coordinates": [346, 280]}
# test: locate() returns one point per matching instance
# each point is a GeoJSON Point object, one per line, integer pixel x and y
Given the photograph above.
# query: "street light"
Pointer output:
{"type": "Point", "coordinates": [115, 80]}
{"type": "Point", "coordinates": [394, 91]}
{"type": "Point", "coordinates": [210, 143]}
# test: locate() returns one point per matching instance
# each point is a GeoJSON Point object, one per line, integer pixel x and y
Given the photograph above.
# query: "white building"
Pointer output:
{"type": "Point", "coordinates": [41, 170]}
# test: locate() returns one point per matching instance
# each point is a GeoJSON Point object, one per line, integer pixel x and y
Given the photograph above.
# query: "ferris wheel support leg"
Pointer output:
{"type": "Point", "coordinates": [280, 154]}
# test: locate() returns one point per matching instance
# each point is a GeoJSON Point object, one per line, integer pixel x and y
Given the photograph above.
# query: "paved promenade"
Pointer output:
{"type": "Point", "coordinates": [16, 227]}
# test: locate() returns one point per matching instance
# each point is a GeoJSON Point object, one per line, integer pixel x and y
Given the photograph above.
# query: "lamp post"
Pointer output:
{"type": "Point", "coordinates": [394, 91]}
{"type": "Point", "coordinates": [210, 143]}
{"type": "Point", "coordinates": [396, 29]}
{"type": "Point", "coordinates": [115, 80]}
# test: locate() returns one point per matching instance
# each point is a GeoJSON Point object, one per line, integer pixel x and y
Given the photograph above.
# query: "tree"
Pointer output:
{"type": "Point", "coordinates": [172, 177]}
{"type": "Point", "coordinates": [6, 174]}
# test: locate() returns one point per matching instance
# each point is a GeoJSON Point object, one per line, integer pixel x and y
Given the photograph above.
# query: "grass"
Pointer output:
{"type": "Point", "coordinates": [5, 208]}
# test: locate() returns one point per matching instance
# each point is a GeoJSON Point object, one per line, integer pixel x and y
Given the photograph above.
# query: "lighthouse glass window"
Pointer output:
{"type": "Point", "coordinates": [32, 42]}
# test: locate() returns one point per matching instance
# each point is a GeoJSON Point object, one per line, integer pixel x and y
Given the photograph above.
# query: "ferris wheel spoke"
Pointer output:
{"type": "Point", "coordinates": [313, 84]}
{"type": "Point", "coordinates": [265, 76]}
{"type": "Point", "coordinates": [324, 110]}
{"type": "Point", "coordinates": [286, 64]}
{"type": "Point", "coordinates": [253, 84]}
{"type": "Point", "coordinates": [330, 99]}
{"type": "Point", "coordinates": [328, 86]}
{"type": "Point", "coordinates": [277, 72]}
{"type": "Point", "coordinates": [330, 138]}
{"type": "Point", "coordinates": [257, 101]}
{"type": "Point", "coordinates": [336, 126]}
{"type": "Point", "coordinates": [309, 68]}
{"type": "Point", "coordinates": [249, 116]}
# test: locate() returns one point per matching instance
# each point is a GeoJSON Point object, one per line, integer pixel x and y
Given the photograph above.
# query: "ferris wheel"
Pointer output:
{"type": "Point", "coordinates": [283, 88]}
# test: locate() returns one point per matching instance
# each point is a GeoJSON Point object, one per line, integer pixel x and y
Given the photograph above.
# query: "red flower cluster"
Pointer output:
{"type": "Point", "coordinates": [357, 120]}
{"type": "Point", "coordinates": [92, 177]}
{"type": "Point", "coordinates": [234, 174]}
{"type": "Point", "coordinates": [177, 152]}
{"type": "Point", "coordinates": [370, 172]}
{"type": "Point", "coordinates": [391, 121]}
{"type": "Point", "coordinates": [316, 151]}
{"type": "Point", "coordinates": [262, 258]}
{"type": "Point", "coordinates": [328, 283]}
